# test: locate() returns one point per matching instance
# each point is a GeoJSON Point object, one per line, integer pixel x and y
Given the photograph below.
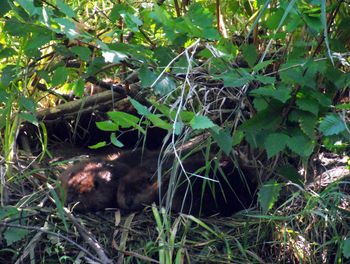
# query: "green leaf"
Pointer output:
{"type": "Point", "coordinates": [201, 122]}
{"type": "Point", "coordinates": [112, 56]}
{"type": "Point", "coordinates": [107, 125]}
{"type": "Point", "coordinates": [332, 124]}
{"type": "Point", "coordinates": [8, 74]}
{"type": "Point", "coordinates": [83, 52]}
{"type": "Point", "coordinates": [15, 234]}
{"type": "Point", "coordinates": [307, 124]}
{"type": "Point", "coordinates": [275, 143]}
{"type": "Point", "coordinates": [222, 138]}
{"type": "Point", "coordinates": [282, 94]}
{"type": "Point", "coordinates": [68, 27]}
{"type": "Point", "coordinates": [164, 85]}
{"type": "Point", "coordinates": [291, 173]}
{"type": "Point", "coordinates": [131, 21]}
{"type": "Point", "coordinates": [7, 52]}
{"type": "Point", "coordinates": [78, 87]}
{"type": "Point", "coordinates": [115, 141]}
{"type": "Point", "coordinates": [146, 76]}
{"type": "Point", "coordinates": [64, 8]}
{"type": "Point", "coordinates": [265, 79]}
{"type": "Point", "coordinates": [39, 39]}
{"type": "Point", "coordinates": [268, 195]}
{"type": "Point", "coordinates": [98, 145]}
{"type": "Point", "coordinates": [239, 81]}
{"type": "Point", "coordinates": [260, 103]}
{"type": "Point", "coordinates": [238, 135]}
{"type": "Point", "coordinates": [346, 247]}
{"type": "Point", "coordinates": [95, 66]}
{"type": "Point", "coordinates": [141, 109]}
{"type": "Point", "coordinates": [27, 5]}
{"type": "Point", "coordinates": [301, 145]}
{"type": "Point", "coordinates": [186, 116]}
{"type": "Point", "coordinates": [5, 7]}
{"type": "Point", "coordinates": [250, 54]}
{"type": "Point", "coordinates": [262, 65]}
{"type": "Point", "coordinates": [29, 117]}
{"type": "Point", "coordinates": [27, 103]}
{"type": "Point", "coordinates": [308, 105]}
{"type": "Point", "coordinates": [122, 119]}
{"type": "Point", "coordinates": [343, 106]}
{"type": "Point", "coordinates": [60, 76]}
{"type": "Point", "coordinates": [158, 122]}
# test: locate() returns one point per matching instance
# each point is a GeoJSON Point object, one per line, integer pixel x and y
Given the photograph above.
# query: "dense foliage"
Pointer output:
{"type": "Point", "coordinates": [273, 75]}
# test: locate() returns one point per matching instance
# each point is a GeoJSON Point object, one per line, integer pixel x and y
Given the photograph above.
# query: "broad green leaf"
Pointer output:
{"type": "Point", "coordinates": [83, 52]}
{"type": "Point", "coordinates": [13, 235]}
{"type": "Point", "coordinates": [7, 53]}
{"type": "Point", "coordinates": [4, 96]}
{"type": "Point", "coordinates": [131, 21]}
{"type": "Point", "coordinates": [343, 106]}
{"type": "Point", "coordinates": [222, 138]}
{"type": "Point", "coordinates": [332, 124]}
{"type": "Point", "coordinates": [124, 120]}
{"type": "Point", "coordinates": [201, 122]}
{"type": "Point", "coordinates": [307, 124]}
{"type": "Point", "coordinates": [265, 79]}
{"type": "Point", "coordinates": [186, 116]}
{"type": "Point", "coordinates": [15, 27]}
{"type": "Point", "coordinates": [164, 85]}
{"type": "Point", "coordinates": [301, 145]}
{"type": "Point", "coordinates": [282, 94]}
{"type": "Point", "coordinates": [8, 74]}
{"type": "Point", "coordinates": [29, 117]}
{"type": "Point", "coordinates": [262, 120]}
{"type": "Point", "coordinates": [268, 195]}
{"type": "Point", "coordinates": [112, 56]}
{"type": "Point", "coordinates": [274, 19]}
{"type": "Point", "coordinates": [68, 27]}
{"type": "Point", "coordinates": [158, 122]}
{"type": "Point", "coordinates": [346, 247]}
{"type": "Point", "coordinates": [146, 76]}
{"type": "Point", "coordinates": [39, 39]}
{"type": "Point", "coordinates": [141, 109]}
{"type": "Point", "coordinates": [308, 105]}
{"type": "Point", "coordinates": [107, 125]}
{"type": "Point", "coordinates": [275, 143]}
{"type": "Point", "coordinates": [27, 103]}
{"type": "Point", "coordinates": [95, 66]}
{"type": "Point", "coordinates": [115, 141]}
{"type": "Point", "coordinates": [78, 87]}
{"type": "Point", "coordinates": [261, 103]}
{"type": "Point", "coordinates": [60, 76]}
{"type": "Point", "coordinates": [262, 65]}
{"type": "Point", "coordinates": [237, 137]}
{"type": "Point", "coordinates": [250, 54]}
{"type": "Point", "coordinates": [239, 81]}
{"type": "Point", "coordinates": [5, 7]}
{"type": "Point", "coordinates": [291, 173]}
{"type": "Point", "coordinates": [64, 8]}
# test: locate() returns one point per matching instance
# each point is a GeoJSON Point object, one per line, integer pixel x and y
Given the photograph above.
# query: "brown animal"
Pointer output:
{"type": "Point", "coordinates": [92, 184]}
{"type": "Point", "coordinates": [140, 187]}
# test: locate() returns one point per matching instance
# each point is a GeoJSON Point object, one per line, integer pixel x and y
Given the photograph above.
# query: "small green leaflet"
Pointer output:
{"type": "Point", "coordinates": [275, 143]}
{"type": "Point", "coordinates": [332, 125]}
{"type": "Point", "coordinates": [268, 195]}
{"type": "Point", "coordinates": [201, 122]}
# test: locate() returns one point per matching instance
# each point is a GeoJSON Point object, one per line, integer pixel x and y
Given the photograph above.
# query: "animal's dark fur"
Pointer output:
{"type": "Point", "coordinates": [130, 182]}
{"type": "Point", "coordinates": [93, 184]}
{"type": "Point", "coordinates": [140, 187]}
